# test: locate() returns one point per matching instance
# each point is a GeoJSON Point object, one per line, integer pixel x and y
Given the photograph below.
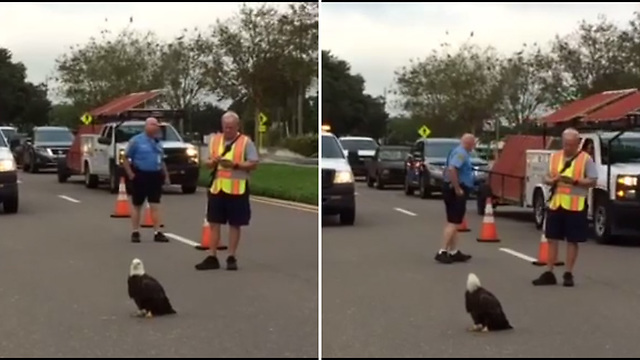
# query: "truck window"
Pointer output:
{"type": "Point", "coordinates": [331, 148]}
{"type": "Point", "coordinates": [126, 131]}
{"type": "Point", "coordinates": [623, 150]}
{"type": "Point", "coordinates": [109, 132]}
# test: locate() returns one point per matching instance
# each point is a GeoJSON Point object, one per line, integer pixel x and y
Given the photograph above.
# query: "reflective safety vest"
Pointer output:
{"type": "Point", "coordinates": [567, 196]}
{"type": "Point", "coordinates": [228, 180]}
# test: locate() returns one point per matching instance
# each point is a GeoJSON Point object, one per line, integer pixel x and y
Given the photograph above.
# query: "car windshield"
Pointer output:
{"type": "Point", "coordinates": [442, 149]}
{"type": "Point", "coordinates": [331, 148]}
{"type": "Point", "coordinates": [9, 133]}
{"type": "Point", "coordinates": [126, 132]}
{"type": "Point", "coordinates": [623, 150]}
{"type": "Point", "coordinates": [358, 144]}
{"type": "Point", "coordinates": [51, 135]}
{"type": "Point", "coordinates": [3, 143]}
{"type": "Point", "coordinates": [393, 154]}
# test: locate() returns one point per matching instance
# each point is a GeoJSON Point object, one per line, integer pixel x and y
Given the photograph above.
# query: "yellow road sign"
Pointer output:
{"type": "Point", "coordinates": [86, 119]}
{"type": "Point", "coordinates": [263, 128]}
{"type": "Point", "coordinates": [424, 131]}
{"type": "Point", "coordinates": [262, 118]}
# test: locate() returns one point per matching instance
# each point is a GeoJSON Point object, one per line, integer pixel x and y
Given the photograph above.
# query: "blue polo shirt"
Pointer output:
{"type": "Point", "coordinates": [145, 153]}
{"type": "Point", "coordinates": [460, 159]}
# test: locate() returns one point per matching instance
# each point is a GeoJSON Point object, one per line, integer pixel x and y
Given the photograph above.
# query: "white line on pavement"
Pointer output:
{"type": "Point", "coordinates": [64, 197]}
{"type": "Point", "coordinates": [19, 181]}
{"type": "Point", "coordinates": [181, 239]}
{"type": "Point", "coordinates": [518, 255]}
{"type": "Point", "coordinates": [406, 212]}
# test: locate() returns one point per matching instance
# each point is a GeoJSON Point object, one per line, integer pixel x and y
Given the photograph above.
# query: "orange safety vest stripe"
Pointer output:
{"type": "Point", "coordinates": [578, 172]}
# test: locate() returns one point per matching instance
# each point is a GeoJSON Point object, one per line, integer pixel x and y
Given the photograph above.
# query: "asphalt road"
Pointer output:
{"type": "Point", "coordinates": [385, 296]}
{"type": "Point", "coordinates": [64, 264]}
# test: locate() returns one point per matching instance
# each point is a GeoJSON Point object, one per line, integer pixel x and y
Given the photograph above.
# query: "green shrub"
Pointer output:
{"type": "Point", "coordinates": [280, 181]}
{"type": "Point", "coordinates": [305, 145]}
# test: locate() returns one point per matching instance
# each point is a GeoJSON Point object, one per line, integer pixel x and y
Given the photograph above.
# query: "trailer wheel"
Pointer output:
{"type": "Point", "coordinates": [481, 199]}
{"type": "Point", "coordinates": [539, 208]}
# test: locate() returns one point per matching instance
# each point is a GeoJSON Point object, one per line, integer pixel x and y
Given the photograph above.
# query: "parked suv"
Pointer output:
{"type": "Point", "coordinates": [46, 146]}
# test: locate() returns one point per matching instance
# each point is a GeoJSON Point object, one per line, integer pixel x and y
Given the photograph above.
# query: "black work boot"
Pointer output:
{"type": "Point", "coordinates": [443, 257]}
{"type": "Point", "coordinates": [135, 237]}
{"type": "Point", "coordinates": [160, 237]}
{"type": "Point", "coordinates": [209, 263]}
{"type": "Point", "coordinates": [568, 280]}
{"type": "Point", "coordinates": [232, 263]}
{"type": "Point", "coordinates": [458, 256]}
{"type": "Point", "coordinates": [547, 278]}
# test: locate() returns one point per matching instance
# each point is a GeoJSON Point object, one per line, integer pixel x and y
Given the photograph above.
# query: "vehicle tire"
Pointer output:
{"type": "Point", "coordinates": [113, 182]}
{"type": "Point", "coordinates": [379, 183]}
{"type": "Point", "coordinates": [348, 217]}
{"type": "Point", "coordinates": [481, 199]}
{"type": "Point", "coordinates": [62, 176]}
{"type": "Point", "coordinates": [189, 189]}
{"type": "Point", "coordinates": [424, 190]}
{"type": "Point", "coordinates": [601, 222]}
{"type": "Point", "coordinates": [10, 205]}
{"type": "Point", "coordinates": [539, 208]}
{"type": "Point", "coordinates": [369, 181]}
{"type": "Point", "coordinates": [408, 190]}
{"type": "Point", "coordinates": [90, 181]}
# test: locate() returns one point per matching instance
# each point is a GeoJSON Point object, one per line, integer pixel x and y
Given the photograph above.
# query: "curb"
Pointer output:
{"type": "Point", "coordinates": [292, 204]}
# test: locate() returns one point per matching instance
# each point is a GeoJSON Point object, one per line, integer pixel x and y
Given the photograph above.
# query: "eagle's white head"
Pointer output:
{"type": "Point", "coordinates": [137, 268]}
{"type": "Point", "coordinates": [473, 283]}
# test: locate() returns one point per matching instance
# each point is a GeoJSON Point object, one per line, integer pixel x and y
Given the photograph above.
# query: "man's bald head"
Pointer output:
{"type": "Point", "coordinates": [570, 141]}
{"type": "Point", "coordinates": [230, 124]}
{"type": "Point", "coordinates": [468, 141]}
{"type": "Point", "coordinates": [151, 126]}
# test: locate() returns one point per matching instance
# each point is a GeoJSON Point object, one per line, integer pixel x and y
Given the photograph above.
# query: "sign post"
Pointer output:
{"type": "Point", "coordinates": [424, 131]}
{"type": "Point", "coordinates": [262, 128]}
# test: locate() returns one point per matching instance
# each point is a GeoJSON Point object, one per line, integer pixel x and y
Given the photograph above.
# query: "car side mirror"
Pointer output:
{"type": "Point", "coordinates": [14, 143]}
{"type": "Point", "coordinates": [104, 140]}
{"type": "Point", "coordinates": [27, 141]}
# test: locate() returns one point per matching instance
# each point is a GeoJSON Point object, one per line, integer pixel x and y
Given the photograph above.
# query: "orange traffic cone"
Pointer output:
{"type": "Point", "coordinates": [147, 221]}
{"type": "Point", "coordinates": [543, 252]}
{"type": "Point", "coordinates": [463, 227]}
{"type": "Point", "coordinates": [123, 208]}
{"type": "Point", "coordinates": [205, 240]}
{"type": "Point", "coordinates": [488, 232]}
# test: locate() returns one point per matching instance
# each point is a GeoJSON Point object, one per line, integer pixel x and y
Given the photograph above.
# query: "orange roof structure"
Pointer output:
{"type": "Point", "coordinates": [124, 103]}
{"type": "Point", "coordinates": [582, 108]}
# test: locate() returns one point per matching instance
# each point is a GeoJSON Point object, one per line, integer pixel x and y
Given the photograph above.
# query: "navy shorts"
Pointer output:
{"type": "Point", "coordinates": [146, 185]}
{"type": "Point", "coordinates": [224, 208]}
{"type": "Point", "coordinates": [562, 224]}
{"type": "Point", "coordinates": [455, 206]}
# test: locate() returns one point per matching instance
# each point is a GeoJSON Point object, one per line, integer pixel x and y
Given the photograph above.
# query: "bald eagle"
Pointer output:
{"type": "Point", "coordinates": [147, 292]}
{"type": "Point", "coordinates": [484, 307]}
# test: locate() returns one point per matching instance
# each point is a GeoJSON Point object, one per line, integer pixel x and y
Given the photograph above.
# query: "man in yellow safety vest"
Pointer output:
{"type": "Point", "coordinates": [232, 156]}
{"type": "Point", "coordinates": [571, 173]}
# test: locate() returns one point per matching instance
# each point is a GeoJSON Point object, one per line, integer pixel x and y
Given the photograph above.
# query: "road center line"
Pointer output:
{"type": "Point", "coordinates": [64, 197]}
{"type": "Point", "coordinates": [406, 212]}
{"type": "Point", "coordinates": [518, 255]}
{"type": "Point", "coordinates": [181, 239]}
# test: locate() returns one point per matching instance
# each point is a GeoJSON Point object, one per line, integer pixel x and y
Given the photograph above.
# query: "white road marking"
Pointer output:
{"type": "Point", "coordinates": [406, 212]}
{"type": "Point", "coordinates": [64, 197]}
{"type": "Point", "coordinates": [19, 181]}
{"type": "Point", "coordinates": [181, 239]}
{"type": "Point", "coordinates": [518, 255]}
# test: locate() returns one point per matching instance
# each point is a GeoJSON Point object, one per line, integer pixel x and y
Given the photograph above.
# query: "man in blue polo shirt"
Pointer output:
{"type": "Point", "coordinates": [145, 167]}
{"type": "Point", "coordinates": [458, 182]}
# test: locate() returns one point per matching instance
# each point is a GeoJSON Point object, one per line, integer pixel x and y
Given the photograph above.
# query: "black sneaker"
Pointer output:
{"type": "Point", "coordinates": [135, 237]}
{"type": "Point", "coordinates": [546, 279]}
{"type": "Point", "coordinates": [568, 280]}
{"type": "Point", "coordinates": [160, 237]}
{"type": "Point", "coordinates": [444, 258]}
{"type": "Point", "coordinates": [232, 263]}
{"type": "Point", "coordinates": [460, 257]}
{"type": "Point", "coordinates": [209, 263]}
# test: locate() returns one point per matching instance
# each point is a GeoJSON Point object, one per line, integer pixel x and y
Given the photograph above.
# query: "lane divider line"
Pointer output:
{"type": "Point", "coordinates": [519, 255]}
{"type": "Point", "coordinates": [406, 212]}
{"type": "Point", "coordinates": [70, 199]}
{"type": "Point", "coordinates": [181, 239]}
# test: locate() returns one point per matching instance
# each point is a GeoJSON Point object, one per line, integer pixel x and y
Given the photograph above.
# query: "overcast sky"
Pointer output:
{"type": "Point", "coordinates": [379, 38]}
{"type": "Point", "coordinates": [37, 33]}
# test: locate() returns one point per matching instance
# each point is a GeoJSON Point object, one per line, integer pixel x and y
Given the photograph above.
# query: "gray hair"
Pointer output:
{"type": "Point", "coordinates": [232, 115]}
{"type": "Point", "coordinates": [570, 133]}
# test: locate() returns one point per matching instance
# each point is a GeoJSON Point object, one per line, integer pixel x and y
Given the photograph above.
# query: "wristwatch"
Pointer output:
{"type": "Point", "coordinates": [575, 182]}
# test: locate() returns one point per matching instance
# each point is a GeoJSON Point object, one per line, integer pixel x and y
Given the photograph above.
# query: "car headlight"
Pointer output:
{"type": "Point", "coordinates": [438, 169]}
{"type": "Point", "coordinates": [121, 156]}
{"type": "Point", "coordinates": [7, 165]}
{"type": "Point", "coordinates": [626, 187]}
{"type": "Point", "coordinates": [343, 177]}
{"type": "Point", "coordinates": [192, 151]}
{"type": "Point", "coordinates": [43, 151]}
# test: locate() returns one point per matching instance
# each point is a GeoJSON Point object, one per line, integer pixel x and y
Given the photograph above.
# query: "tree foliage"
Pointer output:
{"type": "Point", "coordinates": [22, 103]}
{"type": "Point", "coordinates": [263, 59]}
{"type": "Point", "coordinates": [345, 106]}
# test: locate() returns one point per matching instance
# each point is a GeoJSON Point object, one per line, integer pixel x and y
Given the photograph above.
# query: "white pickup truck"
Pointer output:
{"type": "Point", "coordinates": [614, 204]}
{"type": "Point", "coordinates": [99, 157]}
